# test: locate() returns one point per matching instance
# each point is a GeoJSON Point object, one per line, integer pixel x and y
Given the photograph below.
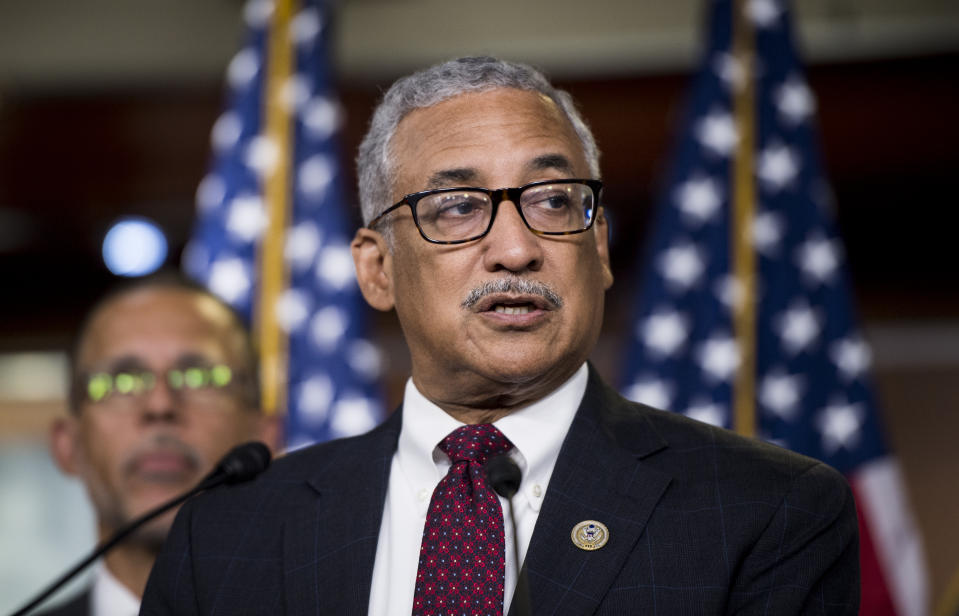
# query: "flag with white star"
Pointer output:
{"type": "Point", "coordinates": [744, 317]}
{"type": "Point", "coordinates": [273, 228]}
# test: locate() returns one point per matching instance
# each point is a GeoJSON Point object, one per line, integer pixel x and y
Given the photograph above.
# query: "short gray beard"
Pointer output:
{"type": "Point", "coordinates": [516, 285]}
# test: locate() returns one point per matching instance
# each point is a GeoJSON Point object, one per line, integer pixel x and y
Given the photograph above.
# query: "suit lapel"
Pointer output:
{"type": "Point", "coordinates": [330, 542]}
{"type": "Point", "coordinates": [598, 476]}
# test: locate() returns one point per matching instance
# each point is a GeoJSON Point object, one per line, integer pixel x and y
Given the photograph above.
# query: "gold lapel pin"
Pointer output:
{"type": "Point", "coordinates": [589, 535]}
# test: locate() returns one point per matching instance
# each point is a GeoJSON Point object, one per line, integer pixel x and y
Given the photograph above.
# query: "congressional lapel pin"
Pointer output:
{"type": "Point", "coordinates": [590, 535]}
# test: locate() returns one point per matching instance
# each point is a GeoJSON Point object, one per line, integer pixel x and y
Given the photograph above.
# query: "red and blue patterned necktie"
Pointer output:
{"type": "Point", "coordinates": [462, 558]}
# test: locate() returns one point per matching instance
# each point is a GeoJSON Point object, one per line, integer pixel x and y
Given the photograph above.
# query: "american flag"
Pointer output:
{"type": "Point", "coordinates": [744, 317]}
{"type": "Point", "coordinates": [273, 228]}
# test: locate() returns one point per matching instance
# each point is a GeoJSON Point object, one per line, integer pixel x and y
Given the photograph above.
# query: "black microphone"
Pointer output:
{"type": "Point", "coordinates": [242, 463]}
{"type": "Point", "coordinates": [504, 476]}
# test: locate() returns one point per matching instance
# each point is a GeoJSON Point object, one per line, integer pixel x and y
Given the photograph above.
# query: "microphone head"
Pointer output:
{"type": "Point", "coordinates": [503, 475]}
{"type": "Point", "coordinates": [244, 462]}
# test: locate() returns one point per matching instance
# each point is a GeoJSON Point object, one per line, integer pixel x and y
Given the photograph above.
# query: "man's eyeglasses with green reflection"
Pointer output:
{"type": "Point", "coordinates": [106, 387]}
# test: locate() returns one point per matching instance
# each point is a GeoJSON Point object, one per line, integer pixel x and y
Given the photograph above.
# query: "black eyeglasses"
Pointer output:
{"type": "Point", "coordinates": [457, 215]}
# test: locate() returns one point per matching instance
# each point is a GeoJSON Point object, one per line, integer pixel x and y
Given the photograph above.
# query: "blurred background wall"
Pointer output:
{"type": "Point", "coordinates": [106, 108]}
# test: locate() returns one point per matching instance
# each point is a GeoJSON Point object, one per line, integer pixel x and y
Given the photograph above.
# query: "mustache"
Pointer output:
{"type": "Point", "coordinates": [518, 286]}
{"type": "Point", "coordinates": [163, 442]}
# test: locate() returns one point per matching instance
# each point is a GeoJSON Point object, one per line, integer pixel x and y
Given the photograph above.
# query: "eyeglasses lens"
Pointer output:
{"type": "Point", "coordinates": [464, 214]}
{"type": "Point", "coordinates": [129, 385]}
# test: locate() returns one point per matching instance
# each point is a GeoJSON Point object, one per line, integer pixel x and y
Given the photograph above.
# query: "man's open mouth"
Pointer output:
{"type": "Point", "coordinates": [513, 308]}
{"type": "Point", "coordinates": [512, 304]}
{"type": "Point", "coordinates": [512, 296]}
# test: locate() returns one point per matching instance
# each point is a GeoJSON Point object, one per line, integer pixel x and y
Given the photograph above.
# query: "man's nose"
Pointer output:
{"type": "Point", "coordinates": [510, 245]}
{"type": "Point", "coordinates": [161, 403]}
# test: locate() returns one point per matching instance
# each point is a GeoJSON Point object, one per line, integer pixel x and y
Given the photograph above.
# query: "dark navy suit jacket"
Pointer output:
{"type": "Point", "coordinates": [701, 521]}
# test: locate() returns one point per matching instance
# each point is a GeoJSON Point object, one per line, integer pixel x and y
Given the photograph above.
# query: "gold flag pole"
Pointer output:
{"type": "Point", "coordinates": [276, 190]}
{"type": "Point", "coordinates": [949, 603]}
{"type": "Point", "coordinates": [744, 209]}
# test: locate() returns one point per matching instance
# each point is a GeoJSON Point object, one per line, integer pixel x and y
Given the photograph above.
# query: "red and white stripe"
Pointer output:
{"type": "Point", "coordinates": [894, 574]}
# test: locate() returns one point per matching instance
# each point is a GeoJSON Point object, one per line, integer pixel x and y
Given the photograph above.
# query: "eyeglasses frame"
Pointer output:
{"type": "Point", "coordinates": [238, 382]}
{"type": "Point", "coordinates": [497, 196]}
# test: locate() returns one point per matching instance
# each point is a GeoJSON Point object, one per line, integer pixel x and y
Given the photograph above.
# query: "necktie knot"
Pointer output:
{"type": "Point", "coordinates": [476, 443]}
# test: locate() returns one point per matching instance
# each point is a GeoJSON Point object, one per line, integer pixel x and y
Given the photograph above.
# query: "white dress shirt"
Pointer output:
{"type": "Point", "coordinates": [537, 432]}
{"type": "Point", "coordinates": [108, 597]}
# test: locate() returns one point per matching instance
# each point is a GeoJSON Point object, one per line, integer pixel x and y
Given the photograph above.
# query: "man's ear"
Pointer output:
{"type": "Point", "coordinates": [601, 233]}
{"type": "Point", "coordinates": [64, 444]}
{"type": "Point", "coordinates": [374, 268]}
{"type": "Point", "coordinates": [269, 430]}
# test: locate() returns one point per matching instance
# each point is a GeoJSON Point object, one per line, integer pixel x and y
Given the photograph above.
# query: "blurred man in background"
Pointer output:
{"type": "Point", "coordinates": [163, 385]}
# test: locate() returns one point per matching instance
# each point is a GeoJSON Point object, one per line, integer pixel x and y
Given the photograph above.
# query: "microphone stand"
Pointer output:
{"type": "Point", "coordinates": [520, 605]}
{"type": "Point", "coordinates": [504, 476]}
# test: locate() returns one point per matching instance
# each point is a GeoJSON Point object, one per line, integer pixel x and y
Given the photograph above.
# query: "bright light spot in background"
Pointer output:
{"type": "Point", "coordinates": [134, 247]}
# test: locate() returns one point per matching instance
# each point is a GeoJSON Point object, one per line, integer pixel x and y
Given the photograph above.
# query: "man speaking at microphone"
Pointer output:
{"type": "Point", "coordinates": [480, 187]}
{"type": "Point", "coordinates": [162, 386]}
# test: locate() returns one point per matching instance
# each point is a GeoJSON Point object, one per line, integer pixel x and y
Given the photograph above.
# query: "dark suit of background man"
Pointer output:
{"type": "Point", "coordinates": [499, 327]}
{"type": "Point", "coordinates": [149, 418]}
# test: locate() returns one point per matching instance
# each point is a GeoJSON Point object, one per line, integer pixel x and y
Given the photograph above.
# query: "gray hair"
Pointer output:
{"type": "Point", "coordinates": [435, 85]}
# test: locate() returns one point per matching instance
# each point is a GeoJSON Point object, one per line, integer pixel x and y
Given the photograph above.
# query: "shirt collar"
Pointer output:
{"type": "Point", "coordinates": [109, 596]}
{"type": "Point", "coordinates": [424, 426]}
{"type": "Point", "coordinates": [537, 431]}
